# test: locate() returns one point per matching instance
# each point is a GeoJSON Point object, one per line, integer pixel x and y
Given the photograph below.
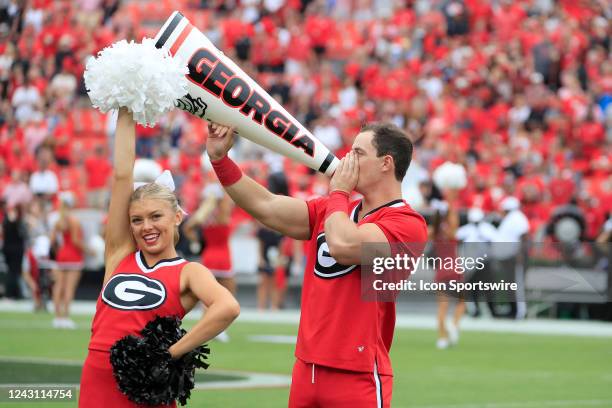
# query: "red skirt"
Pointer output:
{"type": "Point", "coordinates": [98, 386]}
{"type": "Point", "coordinates": [69, 258]}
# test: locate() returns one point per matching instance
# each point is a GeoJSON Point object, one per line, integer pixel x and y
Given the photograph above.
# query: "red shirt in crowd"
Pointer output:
{"type": "Point", "coordinates": [98, 171]}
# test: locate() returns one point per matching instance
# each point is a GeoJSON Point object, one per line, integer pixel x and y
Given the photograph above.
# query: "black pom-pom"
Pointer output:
{"type": "Point", "coordinates": [142, 372]}
{"type": "Point", "coordinates": [163, 331]}
{"type": "Point", "coordinates": [184, 368]}
{"type": "Point", "coordinates": [144, 369]}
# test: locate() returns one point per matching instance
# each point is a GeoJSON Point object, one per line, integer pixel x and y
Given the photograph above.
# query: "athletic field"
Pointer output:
{"type": "Point", "coordinates": [494, 365]}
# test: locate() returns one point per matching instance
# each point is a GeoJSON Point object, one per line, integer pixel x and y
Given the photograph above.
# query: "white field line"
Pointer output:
{"type": "Point", "coordinates": [523, 404]}
{"type": "Point", "coordinates": [535, 326]}
{"type": "Point", "coordinates": [252, 380]}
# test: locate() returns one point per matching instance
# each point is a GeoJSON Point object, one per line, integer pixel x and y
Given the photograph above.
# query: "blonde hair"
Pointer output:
{"type": "Point", "coordinates": [154, 191]}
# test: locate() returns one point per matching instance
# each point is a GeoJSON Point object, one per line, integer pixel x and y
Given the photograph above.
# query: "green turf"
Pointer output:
{"type": "Point", "coordinates": [12, 372]}
{"type": "Point", "coordinates": [486, 368]}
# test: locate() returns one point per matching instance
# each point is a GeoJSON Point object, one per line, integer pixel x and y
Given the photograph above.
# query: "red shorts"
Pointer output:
{"type": "Point", "coordinates": [98, 386]}
{"type": "Point", "coordinates": [315, 386]}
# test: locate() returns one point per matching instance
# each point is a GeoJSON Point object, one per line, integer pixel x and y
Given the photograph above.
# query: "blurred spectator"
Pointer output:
{"type": "Point", "coordinates": [6, 62]}
{"type": "Point", "coordinates": [146, 138]}
{"type": "Point", "coordinates": [442, 231]}
{"type": "Point", "coordinates": [14, 237]}
{"type": "Point", "coordinates": [475, 237]}
{"type": "Point", "coordinates": [348, 96]}
{"type": "Point", "coordinates": [67, 239]}
{"type": "Point", "coordinates": [17, 193]}
{"type": "Point", "coordinates": [98, 169]}
{"type": "Point", "coordinates": [43, 182]}
{"type": "Point", "coordinates": [27, 101]}
{"type": "Point", "coordinates": [37, 255]}
{"type": "Point", "coordinates": [269, 251]}
{"type": "Point", "coordinates": [64, 84]}
{"type": "Point", "coordinates": [109, 8]}
{"type": "Point", "coordinates": [279, 89]}
{"type": "Point", "coordinates": [327, 132]}
{"type": "Point", "coordinates": [35, 132]}
{"type": "Point", "coordinates": [290, 253]}
{"type": "Point", "coordinates": [498, 86]}
{"type": "Point", "coordinates": [456, 15]}
{"type": "Point", "coordinates": [212, 219]}
{"type": "Point", "coordinates": [506, 248]}
{"type": "Point", "coordinates": [62, 137]}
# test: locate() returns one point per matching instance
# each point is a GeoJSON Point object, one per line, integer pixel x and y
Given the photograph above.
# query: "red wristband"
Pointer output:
{"type": "Point", "coordinates": [227, 171]}
{"type": "Point", "coordinates": [338, 201]}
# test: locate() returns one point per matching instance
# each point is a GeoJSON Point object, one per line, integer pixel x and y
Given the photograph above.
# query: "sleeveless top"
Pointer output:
{"type": "Point", "coordinates": [134, 295]}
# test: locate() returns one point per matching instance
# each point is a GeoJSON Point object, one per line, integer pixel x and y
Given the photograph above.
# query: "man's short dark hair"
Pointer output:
{"type": "Point", "coordinates": [390, 140]}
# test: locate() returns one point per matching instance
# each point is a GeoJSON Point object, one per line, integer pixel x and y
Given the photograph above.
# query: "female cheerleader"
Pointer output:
{"type": "Point", "coordinates": [144, 278]}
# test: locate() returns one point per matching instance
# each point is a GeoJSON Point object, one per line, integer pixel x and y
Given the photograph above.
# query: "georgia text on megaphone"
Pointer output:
{"type": "Point", "coordinates": [220, 91]}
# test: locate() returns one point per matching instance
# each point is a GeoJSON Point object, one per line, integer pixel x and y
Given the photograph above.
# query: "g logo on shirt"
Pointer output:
{"type": "Point", "coordinates": [133, 292]}
{"type": "Point", "coordinates": [326, 266]}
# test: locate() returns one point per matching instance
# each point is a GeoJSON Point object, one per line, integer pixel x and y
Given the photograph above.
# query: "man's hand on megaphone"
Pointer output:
{"type": "Point", "coordinates": [347, 174]}
{"type": "Point", "coordinates": [220, 140]}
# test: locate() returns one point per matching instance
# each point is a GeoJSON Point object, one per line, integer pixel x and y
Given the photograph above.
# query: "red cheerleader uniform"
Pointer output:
{"type": "Point", "coordinates": [216, 255]}
{"type": "Point", "coordinates": [447, 251]}
{"type": "Point", "coordinates": [134, 295]}
{"type": "Point", "coordinates": [69, 257]}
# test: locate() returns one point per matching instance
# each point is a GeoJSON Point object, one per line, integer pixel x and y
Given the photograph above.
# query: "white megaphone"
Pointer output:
{"type": "Point", "coordinates": [220, 91]}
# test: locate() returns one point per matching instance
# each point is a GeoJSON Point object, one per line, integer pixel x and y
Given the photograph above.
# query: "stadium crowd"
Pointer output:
{"type": "Point", "coordinates": [518, 92]}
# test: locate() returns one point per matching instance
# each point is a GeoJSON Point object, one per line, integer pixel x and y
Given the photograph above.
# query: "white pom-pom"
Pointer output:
{"type": "Point", "coordinates": [145, 79]}
{"type": "Point", "coordinates": [96, 246]}
{"type": "Point", "coordinates": [450, 176]}
{"type": "Point", "coordinates": [146, 170]}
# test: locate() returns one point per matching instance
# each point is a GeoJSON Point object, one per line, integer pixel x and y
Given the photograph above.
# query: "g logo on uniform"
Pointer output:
{"type": "Point", "coordinates": [133, 292]}
{"type": "Point", "coordinates": [326, 266]}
